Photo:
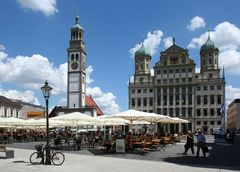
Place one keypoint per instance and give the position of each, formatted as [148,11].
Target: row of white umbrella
[130,117]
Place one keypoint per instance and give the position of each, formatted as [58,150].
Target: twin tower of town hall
[176,89]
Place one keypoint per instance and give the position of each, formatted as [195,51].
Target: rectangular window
[165,81]
[183,112]
[171,81]
[198,122]
[212,112]
[205,122]
[205,88]
[183,70]
[212,122]
[198,100]
[189,89]
[219,112]
[159,72]
[165,100]
[165,71]
[159,100]
[212,87]
[189,112]
[144,90]
[159,81]
[190,70]
[177,89]
[189,99]
[133,91]
[151,101]
[205,112]
[177,80]
[133,102]
[219,99]
[183,90]
[177,70]
[212,99]
[144,101]
[198,112]
[183,100]
[205,99]
[139,101]
[150,90]
[198,88]
[219,122]
[139,90]
[189,79]
[219,87]
[170,71]
[171,100]
[183,79]
[177,100]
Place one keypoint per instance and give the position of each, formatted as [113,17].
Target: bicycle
[38,157]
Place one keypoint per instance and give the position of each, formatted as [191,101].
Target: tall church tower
[76,90]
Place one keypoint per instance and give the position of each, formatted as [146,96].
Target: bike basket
[38,147]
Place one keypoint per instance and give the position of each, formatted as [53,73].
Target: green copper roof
[142,51]
[209,44]
[77,24]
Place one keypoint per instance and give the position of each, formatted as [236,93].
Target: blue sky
[34,36]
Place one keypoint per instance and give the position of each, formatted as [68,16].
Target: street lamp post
[46,90]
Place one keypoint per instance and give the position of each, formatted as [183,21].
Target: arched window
[72,57]
[77,57]
[210,61]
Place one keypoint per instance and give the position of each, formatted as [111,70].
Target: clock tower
[76,87]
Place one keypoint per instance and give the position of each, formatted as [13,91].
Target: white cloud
[47,7]
[151,43]
[31,72]
[231,94]
[2,56]
[197,70]
[89,71]
[230,59]
[168,41]
[26,96]
[196,23]
[225,35]
[2,48]
[227,38]
[106,101]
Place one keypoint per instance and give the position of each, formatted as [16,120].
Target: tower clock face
[74,65]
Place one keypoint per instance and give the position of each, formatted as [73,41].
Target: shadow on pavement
[222,155]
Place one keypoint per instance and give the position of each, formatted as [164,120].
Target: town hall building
[176,89]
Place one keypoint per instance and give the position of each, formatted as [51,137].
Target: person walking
[201,143]
[189,143]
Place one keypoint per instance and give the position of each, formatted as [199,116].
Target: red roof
[91,103]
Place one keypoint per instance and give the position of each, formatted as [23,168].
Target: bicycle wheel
[58,158]
[35,158]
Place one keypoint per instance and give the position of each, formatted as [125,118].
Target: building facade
[176,89]
[19,109]
[233,115]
